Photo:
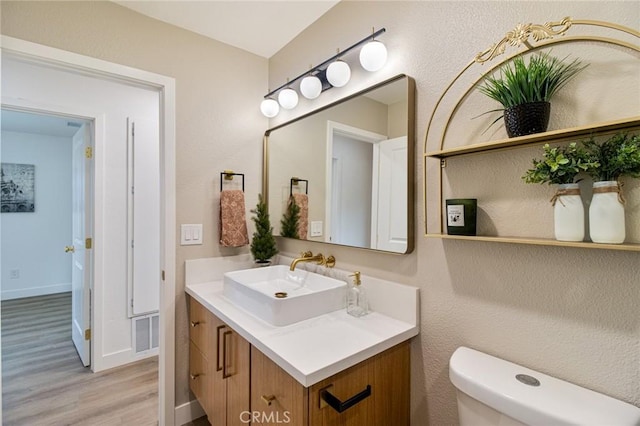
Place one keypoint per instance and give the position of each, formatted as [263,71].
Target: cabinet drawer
[199,376]
[200,326]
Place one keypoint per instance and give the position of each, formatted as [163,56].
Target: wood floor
[44,382]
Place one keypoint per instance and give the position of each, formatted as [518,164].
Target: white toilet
[492,391]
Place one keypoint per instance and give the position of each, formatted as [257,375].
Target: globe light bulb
[269,108]
[310,87]
[288,98]
[338,73]
[373,56]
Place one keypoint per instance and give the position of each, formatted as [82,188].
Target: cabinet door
[351,383]
[236,373]
[376,392]
[199,376]
[218,394]
[391,377]
[200,327]
[276,397]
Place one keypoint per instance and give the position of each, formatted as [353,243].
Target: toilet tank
[493,391]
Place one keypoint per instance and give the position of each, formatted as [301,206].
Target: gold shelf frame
[542,36]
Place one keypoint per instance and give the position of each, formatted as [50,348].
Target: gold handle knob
[69,249]
[330,262]
[194,323]
[268,399]
[194,376]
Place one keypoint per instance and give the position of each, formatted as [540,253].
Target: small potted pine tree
[263,243]
[290,219]
[617,157]
[560,166]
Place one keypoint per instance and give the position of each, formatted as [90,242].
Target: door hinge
[87,334]
[88,152]
[443,162]
[88,243]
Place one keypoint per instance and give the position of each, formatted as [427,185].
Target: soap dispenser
[357,305]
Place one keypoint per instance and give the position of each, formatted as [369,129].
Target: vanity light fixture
[338,73]
[269,108]
[333,72]
[288,98]
[373,56]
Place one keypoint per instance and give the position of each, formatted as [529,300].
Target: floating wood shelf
[572,133]
[540,242]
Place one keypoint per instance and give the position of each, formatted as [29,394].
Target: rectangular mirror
[354,161]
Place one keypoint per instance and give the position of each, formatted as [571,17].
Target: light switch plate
[190,234]
[316,228]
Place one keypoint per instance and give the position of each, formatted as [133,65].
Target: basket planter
[606,214]
[526,119]
[568,213]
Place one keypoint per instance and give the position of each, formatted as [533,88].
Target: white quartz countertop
[320,347]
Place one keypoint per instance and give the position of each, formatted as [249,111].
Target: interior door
[80,250]
[390,225]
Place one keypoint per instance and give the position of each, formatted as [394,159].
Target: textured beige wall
[571,313]
[218,122]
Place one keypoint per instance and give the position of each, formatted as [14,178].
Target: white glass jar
[568,213]
[606,214]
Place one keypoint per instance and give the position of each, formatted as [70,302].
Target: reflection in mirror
[354,161]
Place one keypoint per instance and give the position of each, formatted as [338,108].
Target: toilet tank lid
[493,382]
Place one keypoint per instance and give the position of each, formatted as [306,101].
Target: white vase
[568,213]
[606,214]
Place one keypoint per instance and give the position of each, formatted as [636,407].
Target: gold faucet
[319,258]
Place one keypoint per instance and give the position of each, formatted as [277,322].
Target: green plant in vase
[561,166]
[263,243]
[525,89]
[617,157]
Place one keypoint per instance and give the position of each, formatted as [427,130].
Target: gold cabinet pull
[224,354]
[218,346]
[268,399]
[69,249]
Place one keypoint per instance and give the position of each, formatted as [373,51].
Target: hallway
[44,382]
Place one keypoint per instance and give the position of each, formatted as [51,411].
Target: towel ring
[228,175]
[295,181]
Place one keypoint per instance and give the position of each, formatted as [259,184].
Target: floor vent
[145,333]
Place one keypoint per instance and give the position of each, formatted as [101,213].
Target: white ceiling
[40,124]
[262,27]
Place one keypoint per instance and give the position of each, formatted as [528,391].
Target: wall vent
[146,333]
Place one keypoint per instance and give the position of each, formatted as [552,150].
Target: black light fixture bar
[319,67]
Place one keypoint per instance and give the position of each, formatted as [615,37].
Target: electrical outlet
[14,274]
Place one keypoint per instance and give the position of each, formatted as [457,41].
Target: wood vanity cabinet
[218,367]
[236,383]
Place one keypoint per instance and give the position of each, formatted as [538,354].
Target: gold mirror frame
[542,35]
[411,155]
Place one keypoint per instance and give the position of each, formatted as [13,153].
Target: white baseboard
[188,412]
[35,291]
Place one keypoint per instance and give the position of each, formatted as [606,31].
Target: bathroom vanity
[326,370]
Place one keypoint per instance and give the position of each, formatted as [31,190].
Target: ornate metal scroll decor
[521,33]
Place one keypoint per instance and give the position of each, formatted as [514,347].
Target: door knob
[69,249]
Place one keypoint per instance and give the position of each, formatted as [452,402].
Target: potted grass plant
[560,166]
[525,90]
[616,157]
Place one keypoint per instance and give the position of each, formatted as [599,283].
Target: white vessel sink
[281,297]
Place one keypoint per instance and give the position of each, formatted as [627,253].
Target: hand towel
[233,225]
[302,201]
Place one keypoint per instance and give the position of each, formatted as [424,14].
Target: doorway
[19,94]
[56,184]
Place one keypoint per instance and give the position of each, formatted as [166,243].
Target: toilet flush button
[527,380]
